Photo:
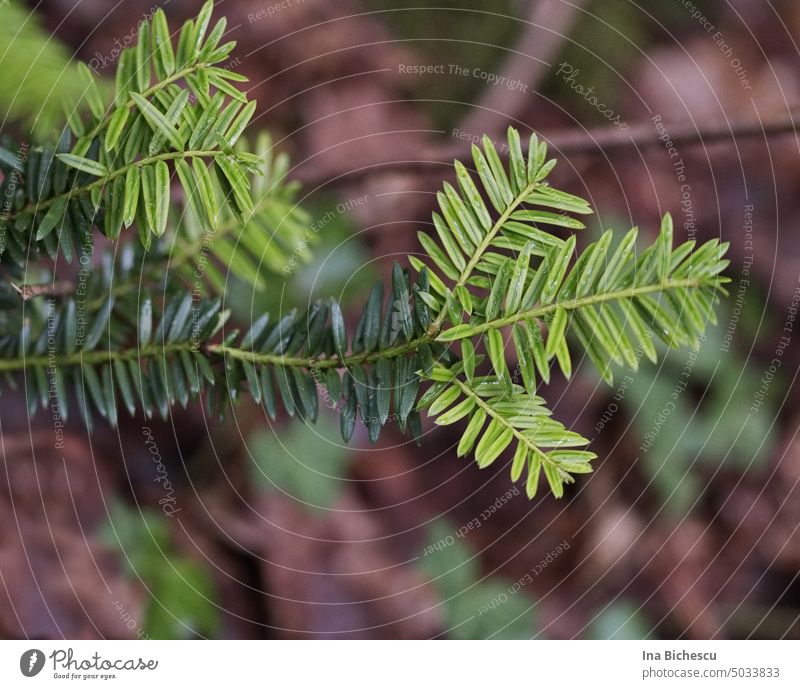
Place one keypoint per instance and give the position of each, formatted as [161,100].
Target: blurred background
[253,529]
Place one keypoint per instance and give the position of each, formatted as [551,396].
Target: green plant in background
[181,592]
[327,259]
[243,246]
[497,269]
[307,464]
[492,607]
[709,428]
[36,86]
[620,619]
[474,607]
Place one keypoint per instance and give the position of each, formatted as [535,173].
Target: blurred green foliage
[307,463]
[710,426]
[620,619]
[180,592]
[39,75]
[473,608]
[340,267]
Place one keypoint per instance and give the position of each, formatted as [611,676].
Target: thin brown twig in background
[49,289]
[605,140]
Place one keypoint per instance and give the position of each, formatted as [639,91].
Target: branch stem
[113,174]
[254,357]
[316,363]
[94,357]
[572,304]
